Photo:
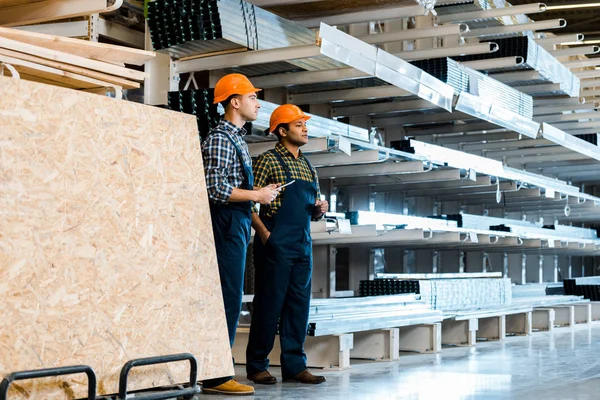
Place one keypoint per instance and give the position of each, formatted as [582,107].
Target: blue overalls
[231,227]
[283,281]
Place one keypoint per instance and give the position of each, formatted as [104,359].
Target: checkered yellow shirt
[267,170]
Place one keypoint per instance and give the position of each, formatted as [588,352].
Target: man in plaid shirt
[230,185]
[283,252]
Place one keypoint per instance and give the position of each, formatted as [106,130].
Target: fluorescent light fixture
[572,6]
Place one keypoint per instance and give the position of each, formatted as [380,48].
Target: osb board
[106,248]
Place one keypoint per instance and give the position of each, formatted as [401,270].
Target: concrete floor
[564,364]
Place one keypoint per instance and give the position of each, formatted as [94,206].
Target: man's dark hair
[284,126]
[227,102]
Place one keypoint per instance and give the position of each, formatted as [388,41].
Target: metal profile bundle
[198,103]
[337,316]
[186,28]
[466,294]
[524,229]
[383,220]
[385,287]
[480,5]
[579,145]
[535,58]
[385,66]
[588,287]
[448,294]
[458,159]
[484,97]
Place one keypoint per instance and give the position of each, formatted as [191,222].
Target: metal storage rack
[467,155]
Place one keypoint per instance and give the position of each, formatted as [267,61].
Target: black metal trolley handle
[50,372]
[185,393]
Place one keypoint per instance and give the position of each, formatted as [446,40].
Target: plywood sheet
[124,83]
[106,248]
[78,47]
[62,57]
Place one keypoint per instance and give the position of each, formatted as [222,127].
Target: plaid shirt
[267,170]
[222,167]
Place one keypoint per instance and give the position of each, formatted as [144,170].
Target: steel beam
[575,51]
[314,145]
[356,157]
[386,168]
[492,13]
[558,39]
[381,108]
[247,58]
[347,95]
[381,14]
[504,29]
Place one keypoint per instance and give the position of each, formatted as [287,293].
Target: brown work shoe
[231,388]
[262,378]
[306,377]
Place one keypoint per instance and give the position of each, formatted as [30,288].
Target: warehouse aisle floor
[563,364]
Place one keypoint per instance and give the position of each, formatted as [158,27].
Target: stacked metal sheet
[464,79]
[337,316]
[535,58]
[186,28]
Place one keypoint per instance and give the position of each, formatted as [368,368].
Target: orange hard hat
[233,84]
[285,114]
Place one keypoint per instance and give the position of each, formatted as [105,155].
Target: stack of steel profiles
[539,295]
[337,85]
[337,316]
[537,290]
[447,275]
[186,28]
[386,287]
[458,159]
[383,220]
[535,58]
[464,79]
[479,5]
[198,103]
[466,294]
[524,229]
[588,287]
[450,293]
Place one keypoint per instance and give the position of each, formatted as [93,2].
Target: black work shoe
[306,377]
[262,378]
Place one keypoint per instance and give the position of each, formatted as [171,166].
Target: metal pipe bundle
[186,28]
[535,58]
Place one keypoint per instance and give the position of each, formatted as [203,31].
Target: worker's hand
[322,206]
[265,236]
[267,194]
